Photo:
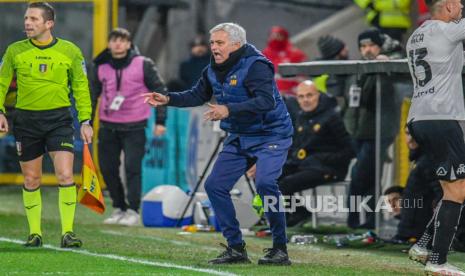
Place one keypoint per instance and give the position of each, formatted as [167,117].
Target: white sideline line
[126,259]
[180,243]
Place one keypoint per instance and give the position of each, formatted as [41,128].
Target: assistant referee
[47,70]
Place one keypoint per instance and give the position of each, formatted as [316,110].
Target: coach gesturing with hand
[259,130]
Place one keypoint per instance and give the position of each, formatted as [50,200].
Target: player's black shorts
[39,131]
[443,141]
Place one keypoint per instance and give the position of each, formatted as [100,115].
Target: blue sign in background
[165,157]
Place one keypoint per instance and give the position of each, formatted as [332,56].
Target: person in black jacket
[360,120]
[332,48]
[321,150]
[191,68]
[420,196]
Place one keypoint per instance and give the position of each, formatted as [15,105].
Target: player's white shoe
[115,217]
[444,269]
[130,218]
[418,254]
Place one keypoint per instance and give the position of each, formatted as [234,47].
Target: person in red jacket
[423,12]
[280,50]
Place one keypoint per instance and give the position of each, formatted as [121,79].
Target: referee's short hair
[119,33]
[48,12]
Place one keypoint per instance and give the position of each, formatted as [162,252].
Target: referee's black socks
[445,226]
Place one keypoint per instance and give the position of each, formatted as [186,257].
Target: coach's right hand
[155,99]
[3,123]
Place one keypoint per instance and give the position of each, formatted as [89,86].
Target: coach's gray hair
[235,32]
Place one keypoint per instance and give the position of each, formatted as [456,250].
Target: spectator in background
[321,149]
[280,50]
[393,195]
[420,196]
[359,118]
[191,69]
[332,48]
[423,12]
[121,76]
[390,16]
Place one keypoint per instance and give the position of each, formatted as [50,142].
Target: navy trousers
[231,164]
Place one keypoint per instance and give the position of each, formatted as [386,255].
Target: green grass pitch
[118,250]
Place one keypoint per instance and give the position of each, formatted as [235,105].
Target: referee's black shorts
[443,141]
[39,131]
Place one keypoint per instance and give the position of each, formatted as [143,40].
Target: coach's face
[221,46]
[34,23]
[454,8]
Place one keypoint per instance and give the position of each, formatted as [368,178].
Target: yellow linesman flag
[90,193]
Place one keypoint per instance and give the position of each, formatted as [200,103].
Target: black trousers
[414,217]
[132,143]
[294,179]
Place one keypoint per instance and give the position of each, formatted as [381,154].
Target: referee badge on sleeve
[84,68]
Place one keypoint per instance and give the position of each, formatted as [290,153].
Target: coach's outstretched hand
[86,133]
[3,123]
[155,99]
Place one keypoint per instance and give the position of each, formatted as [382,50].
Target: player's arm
[6,75]
[81,93]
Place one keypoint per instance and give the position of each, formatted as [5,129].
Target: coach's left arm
[259,82]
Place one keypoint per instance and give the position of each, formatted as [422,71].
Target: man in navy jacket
[252,112]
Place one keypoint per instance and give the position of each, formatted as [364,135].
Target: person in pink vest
[121,75]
